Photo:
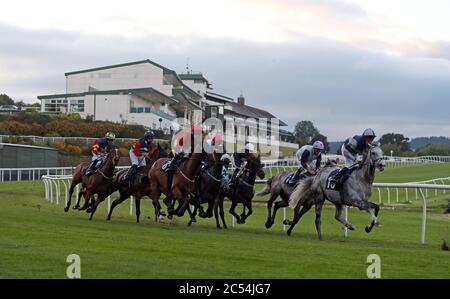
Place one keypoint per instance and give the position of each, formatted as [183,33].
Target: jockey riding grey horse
[352,147]
[283,184]
[355,192]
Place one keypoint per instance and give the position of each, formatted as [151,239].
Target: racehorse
[183,180]
[355,192]
[242,191]
[276,186]
[140,186]
[80,178]
[100,183]
[208,186]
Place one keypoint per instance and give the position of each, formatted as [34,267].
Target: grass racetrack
[36,237]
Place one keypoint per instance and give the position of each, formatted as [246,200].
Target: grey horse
[276,186]
[355,192]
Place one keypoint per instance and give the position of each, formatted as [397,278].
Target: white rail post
[284,217]
[346,219]
[131,205]
[424,215]
[109,204]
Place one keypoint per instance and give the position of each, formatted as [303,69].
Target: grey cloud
[340,87]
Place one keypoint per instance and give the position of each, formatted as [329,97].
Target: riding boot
[91,168]
[295,177]
[171,167]
[131,173]
[342,175]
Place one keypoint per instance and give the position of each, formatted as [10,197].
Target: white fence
[53,193]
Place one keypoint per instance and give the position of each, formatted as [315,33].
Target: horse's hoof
[66,209]
[170,216]
[288,233]
[193,219]
[268,224]
[76,207]
[367,229]
[287,222]
[351,227]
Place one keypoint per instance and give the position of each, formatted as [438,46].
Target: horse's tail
[300,191]
[266,190]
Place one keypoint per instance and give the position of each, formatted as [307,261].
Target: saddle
[165,166]
[332,182]
[88,171]
[291,175]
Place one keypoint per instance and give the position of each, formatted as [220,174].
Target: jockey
[239,158]
[99,146]
[306,156]
[181,142]
[352,147]
[214,143]
[138,152]
[226,159]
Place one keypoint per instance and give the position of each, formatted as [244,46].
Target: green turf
[36,237]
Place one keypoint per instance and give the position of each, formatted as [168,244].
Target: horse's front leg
[93,208]
[233,212]
[250,210]
[87,198]
[192,215]
[373,210]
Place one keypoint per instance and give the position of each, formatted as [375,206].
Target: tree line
[396,144]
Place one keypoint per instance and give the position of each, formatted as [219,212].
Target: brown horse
[241,192]
[209,184]
[182,183]
[140,186]
[100,183]
[77,178]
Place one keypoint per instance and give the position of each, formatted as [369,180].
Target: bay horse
[356,191]
[183,180]
[241,192]
[140,186]
[209,183]
[100,183]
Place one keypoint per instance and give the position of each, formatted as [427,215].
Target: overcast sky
[345,65]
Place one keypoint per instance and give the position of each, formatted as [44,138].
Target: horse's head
[114,155]
[376,156]
[159,152]
[254,165]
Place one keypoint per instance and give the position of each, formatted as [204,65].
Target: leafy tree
[304,132]
[6,100]
[434,150]
[396,139]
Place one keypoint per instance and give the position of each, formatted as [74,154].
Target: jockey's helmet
[249,147]
[110,136]
[369,133]
[318,145]
[149,135]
